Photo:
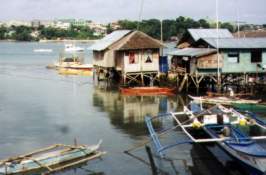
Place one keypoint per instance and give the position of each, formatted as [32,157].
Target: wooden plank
[42,165]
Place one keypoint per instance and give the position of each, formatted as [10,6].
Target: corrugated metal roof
[192,52]
[109,39]
[209,33]
[237,43]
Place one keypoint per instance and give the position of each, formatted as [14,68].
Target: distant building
[62,24]
[47,23]
[130,53]
[115,25]
[17,23]
[193,35]
[35,23]
[99,29]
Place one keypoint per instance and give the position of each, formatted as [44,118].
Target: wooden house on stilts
[131,54]
[242,61]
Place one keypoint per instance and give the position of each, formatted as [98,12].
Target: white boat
[73,61]
[73,48]
[43,50]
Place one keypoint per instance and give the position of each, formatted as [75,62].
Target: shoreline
[68,40]
[52,41]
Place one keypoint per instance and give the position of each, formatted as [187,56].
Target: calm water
[38,108]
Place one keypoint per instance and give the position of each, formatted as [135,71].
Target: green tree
[126,24]
[204,24]
[169,29]
[3,31]
[151,27]
[22,33]
[109,29]
[228,26]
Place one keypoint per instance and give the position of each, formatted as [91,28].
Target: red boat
[147,91]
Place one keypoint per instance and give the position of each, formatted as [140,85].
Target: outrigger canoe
[154,90]
[222,126]
[223,100]
[50,159]
[236,102]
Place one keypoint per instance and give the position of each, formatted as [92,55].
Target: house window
[233,57]
[132,57]
[256,56]
[148,57]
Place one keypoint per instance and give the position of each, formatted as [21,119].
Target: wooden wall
[209,62]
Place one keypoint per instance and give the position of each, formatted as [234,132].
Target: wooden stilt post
[124,78]
[142,78]
[153,166]
[177,80]
[187,78]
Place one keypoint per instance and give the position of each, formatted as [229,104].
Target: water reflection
[127,112]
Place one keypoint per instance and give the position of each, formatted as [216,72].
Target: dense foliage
[171,28]
[24,33]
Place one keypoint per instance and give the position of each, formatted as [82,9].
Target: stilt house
[133,54]
[241,60]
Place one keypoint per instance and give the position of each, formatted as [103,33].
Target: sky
[248,11]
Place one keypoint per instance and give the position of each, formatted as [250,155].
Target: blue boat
[222,126]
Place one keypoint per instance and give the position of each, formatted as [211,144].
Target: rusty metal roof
[192,52]
[237,43]
[109,40]
[209,33]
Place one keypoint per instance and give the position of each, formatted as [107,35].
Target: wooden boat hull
[255,163]
[66,71]
[223,100]
[47,159]
[251,107]
[147,91]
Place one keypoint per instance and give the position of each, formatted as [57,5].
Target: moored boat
[71,60]
[257,107]
[223,100]
[43,50]
[153,90]
[50,159]
[70,71]
[73,48]
[223,126]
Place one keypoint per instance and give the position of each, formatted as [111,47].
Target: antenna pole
[217,47]
[237,16]
[161,30]
[140,13]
